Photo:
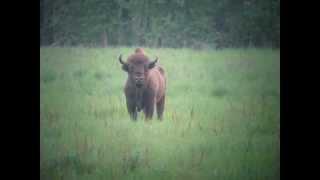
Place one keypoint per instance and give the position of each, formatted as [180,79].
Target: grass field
[221,120]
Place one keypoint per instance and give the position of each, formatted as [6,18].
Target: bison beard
[152,90]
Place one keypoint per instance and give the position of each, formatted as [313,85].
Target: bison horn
[152,64]
[120,59]
[155,59]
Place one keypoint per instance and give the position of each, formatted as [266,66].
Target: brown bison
[145,86]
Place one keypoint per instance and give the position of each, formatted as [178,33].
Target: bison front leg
[160,108]
[149,108]
[131,107]
[133,114]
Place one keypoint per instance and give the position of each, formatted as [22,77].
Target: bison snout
[139,85]
[139,82]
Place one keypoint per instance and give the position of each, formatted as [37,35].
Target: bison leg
[149,108]
[132,110]
[133,115]
[160,107]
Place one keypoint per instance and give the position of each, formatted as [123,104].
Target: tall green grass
[221,119]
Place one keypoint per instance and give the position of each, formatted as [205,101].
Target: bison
[145,86]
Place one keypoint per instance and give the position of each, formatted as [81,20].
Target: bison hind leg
[160,108]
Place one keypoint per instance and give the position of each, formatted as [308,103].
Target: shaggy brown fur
[145,86]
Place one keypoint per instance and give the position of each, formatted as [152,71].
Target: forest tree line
[160,23]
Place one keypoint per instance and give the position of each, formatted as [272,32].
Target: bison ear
[125,66]
[153,63]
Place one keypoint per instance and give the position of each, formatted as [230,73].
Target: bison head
[137,67]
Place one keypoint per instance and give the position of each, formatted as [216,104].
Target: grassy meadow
[221,119]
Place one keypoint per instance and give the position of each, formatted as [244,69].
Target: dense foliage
[161,23]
